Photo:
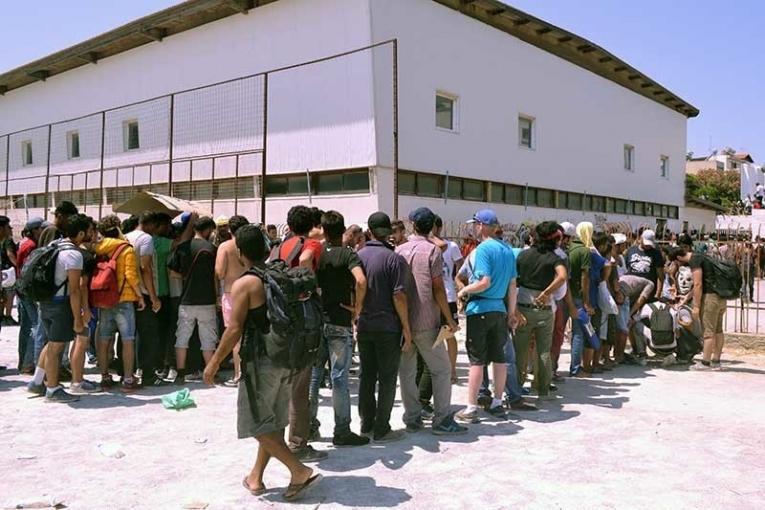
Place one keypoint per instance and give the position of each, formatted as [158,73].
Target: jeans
[380,356]
[577,342]
[437,360]
[336,346]
[146,326]
[424,381]
[28,319]
[299,410]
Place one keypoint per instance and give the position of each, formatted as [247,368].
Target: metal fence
[207,144]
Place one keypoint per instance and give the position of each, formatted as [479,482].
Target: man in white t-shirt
[149,361]
[61,317]
[452,261]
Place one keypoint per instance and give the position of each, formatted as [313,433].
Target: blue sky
[710,53]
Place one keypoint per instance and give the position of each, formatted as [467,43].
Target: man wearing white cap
[646,261]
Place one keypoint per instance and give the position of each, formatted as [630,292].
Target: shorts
[623,319]
[453,309]
[119,318]
[203,316]
[486,338]
[226,307]
[57,320]
[712,313]
[262,404]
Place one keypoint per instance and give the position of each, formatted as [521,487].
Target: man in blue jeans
[341,279]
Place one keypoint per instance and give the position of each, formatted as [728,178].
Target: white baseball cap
[569,229]
[620,239]
[648,238]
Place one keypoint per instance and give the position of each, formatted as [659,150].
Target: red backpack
[104,290]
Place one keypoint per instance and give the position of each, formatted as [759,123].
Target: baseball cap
[485,217]
[423,219]
[569,229]
[379,224]
[221,221]
[620,238]
[185,217]
[648,238]
[34,223]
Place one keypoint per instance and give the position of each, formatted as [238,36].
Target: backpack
[662,326]
[104,289]
[726,278]
[37,281]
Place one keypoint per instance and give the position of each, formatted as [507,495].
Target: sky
[710,53]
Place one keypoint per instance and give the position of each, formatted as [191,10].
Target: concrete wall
[698,217]
[582,120]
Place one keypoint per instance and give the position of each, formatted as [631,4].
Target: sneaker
[427,412]
[193,377]
[84,388]
[467,417]
[391,436]
[716,366]
[172,375]
[701,367]
[349,439]
[521,405]
[448,427]
[160,373]
[498,412]
[107,381]
[309,454]
[92,359]
[668,361]
[415,426]
[129,387]
[37,389]
[59,396]
[157,381]
[553,387]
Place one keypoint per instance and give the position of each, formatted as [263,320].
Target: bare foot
[300,478]
[256,488]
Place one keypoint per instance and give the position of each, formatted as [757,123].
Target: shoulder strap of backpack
[122,247]
[295,252]
[191,268]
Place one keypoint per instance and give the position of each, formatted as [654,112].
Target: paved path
[636,438]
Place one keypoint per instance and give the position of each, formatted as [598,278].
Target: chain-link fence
[207,145]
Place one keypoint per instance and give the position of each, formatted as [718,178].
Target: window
[446,111]
[473,190]
[514,194]
[429,185]
[629,157]
[454,188]
[610,206]
[131,139]
[73,145]
[664,167]
[26,153]
[598,204]
[407,183]
[574,201]
[673,213]
[497,191]
[545,198]
[648,209]
[620,206]
[638,208]
[720,166]
[526,133]
[346,182]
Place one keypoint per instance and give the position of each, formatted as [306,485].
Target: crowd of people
[158,302]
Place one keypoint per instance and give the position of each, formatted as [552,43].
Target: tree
[717,186]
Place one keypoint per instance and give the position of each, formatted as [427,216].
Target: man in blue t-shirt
[492,282]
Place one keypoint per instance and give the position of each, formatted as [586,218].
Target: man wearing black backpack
[60,307]
[714,282]
[262,403]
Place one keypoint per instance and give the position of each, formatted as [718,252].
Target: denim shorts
[118,318]
[57,320]
[623,318]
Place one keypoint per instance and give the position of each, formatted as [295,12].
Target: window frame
[27,150]
[629,161]
[532,132]
[70,137]
[664,167]
[454,98]
[126,135]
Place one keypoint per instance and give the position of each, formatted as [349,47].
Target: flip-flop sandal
[231,383]
[255,492]
[301,488]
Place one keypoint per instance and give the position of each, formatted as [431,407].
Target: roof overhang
[700,203]
[193,13]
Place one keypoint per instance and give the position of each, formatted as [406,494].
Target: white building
[494,106]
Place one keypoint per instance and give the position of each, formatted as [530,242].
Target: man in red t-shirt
[300,221]
[27,308]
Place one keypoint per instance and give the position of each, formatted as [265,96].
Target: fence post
[236,186]
[8,170]
[102,199]
[265,153]
[395,128]
[212,190]
[170,151]
[47,172]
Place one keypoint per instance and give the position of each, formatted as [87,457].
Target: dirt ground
[633,438]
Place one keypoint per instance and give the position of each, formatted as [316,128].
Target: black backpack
[726,278]
[37,280]
[294,314]
[662,327]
